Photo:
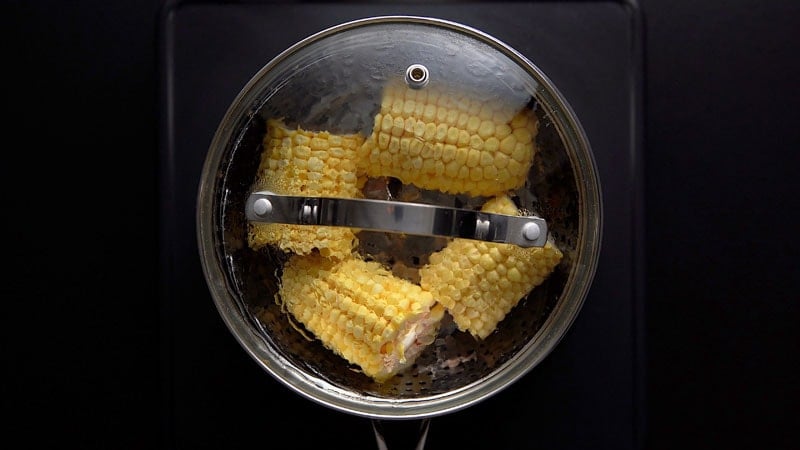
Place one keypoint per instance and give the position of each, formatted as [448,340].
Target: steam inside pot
[376,299]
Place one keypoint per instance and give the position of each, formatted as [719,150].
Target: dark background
[80,178]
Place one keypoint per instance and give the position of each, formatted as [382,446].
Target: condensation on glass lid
[356,293]
[336,83]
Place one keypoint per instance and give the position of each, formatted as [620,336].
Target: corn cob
[300,162]
[454,143]
[360,311]
[479,282]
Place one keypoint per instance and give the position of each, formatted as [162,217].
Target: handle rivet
[531,231]
[262,207]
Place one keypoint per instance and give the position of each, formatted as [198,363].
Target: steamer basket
[332,81]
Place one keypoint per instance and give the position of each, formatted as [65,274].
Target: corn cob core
[361,312]
[479,282]
[308,163]
[456,144]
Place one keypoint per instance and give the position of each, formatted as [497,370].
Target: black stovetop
[586,394]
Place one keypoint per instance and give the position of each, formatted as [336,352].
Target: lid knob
[417,76]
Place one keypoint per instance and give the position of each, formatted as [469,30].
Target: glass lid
[399,216]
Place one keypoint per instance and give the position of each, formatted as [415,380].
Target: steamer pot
[333,81]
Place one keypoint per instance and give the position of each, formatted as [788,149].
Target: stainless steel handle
[397,217]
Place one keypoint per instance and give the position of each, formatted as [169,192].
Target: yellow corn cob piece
[308,163]
[361,312]
[480,282]
[457,144]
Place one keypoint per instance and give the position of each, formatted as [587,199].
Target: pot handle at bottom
[401,434]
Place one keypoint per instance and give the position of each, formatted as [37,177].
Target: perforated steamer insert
[399,217]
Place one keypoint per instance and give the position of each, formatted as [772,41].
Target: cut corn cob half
[361,312]
[308,163]
[480,282]
[454,143]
